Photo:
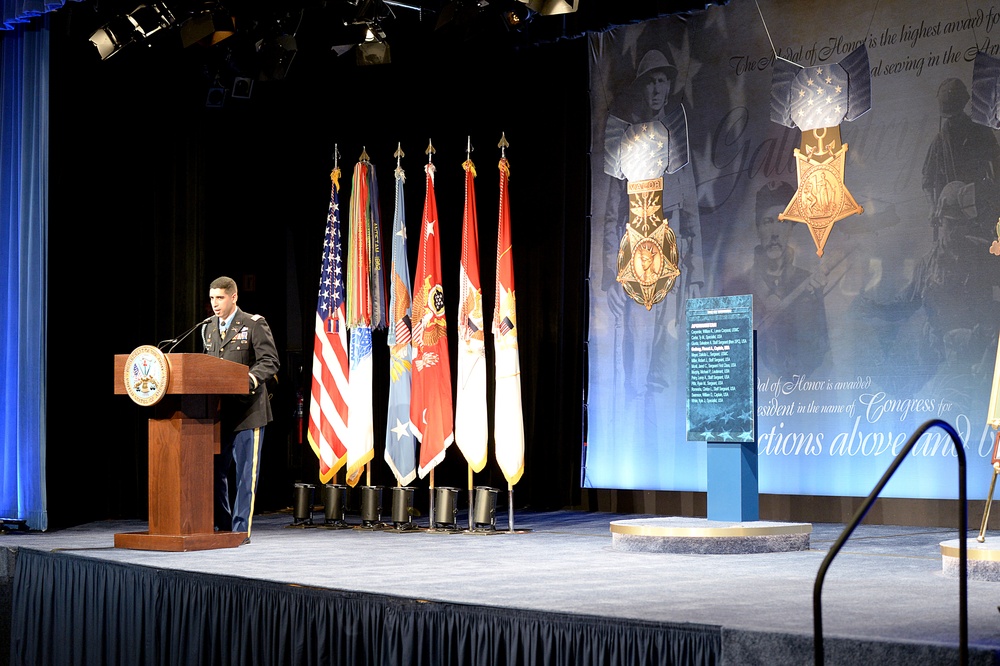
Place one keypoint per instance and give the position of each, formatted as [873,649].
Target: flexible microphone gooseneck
[177,341]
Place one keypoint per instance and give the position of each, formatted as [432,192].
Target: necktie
[222,330]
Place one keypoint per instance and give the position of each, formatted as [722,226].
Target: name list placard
[720,381]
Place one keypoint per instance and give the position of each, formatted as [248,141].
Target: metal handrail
[859,515]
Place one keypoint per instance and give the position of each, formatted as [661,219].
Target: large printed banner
[862,231]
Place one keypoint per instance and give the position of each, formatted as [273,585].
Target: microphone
[178,340]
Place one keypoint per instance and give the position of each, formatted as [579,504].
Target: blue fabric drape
[13,12]
[24,132]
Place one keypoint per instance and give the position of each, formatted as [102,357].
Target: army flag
[508,429]
[360,432]
[330,369]
[431,417]
[376,272]
[400,445]
[471,428]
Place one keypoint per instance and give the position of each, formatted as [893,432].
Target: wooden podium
[184,435]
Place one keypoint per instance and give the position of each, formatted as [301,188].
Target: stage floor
[886,587]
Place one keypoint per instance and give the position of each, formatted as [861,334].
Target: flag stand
[402,508]
[334,502]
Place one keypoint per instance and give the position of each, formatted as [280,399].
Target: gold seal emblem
[147,375]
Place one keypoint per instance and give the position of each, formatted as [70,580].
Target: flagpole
[430,485]
[471,503]
[431,502]
[468,156]
[508,441]
[510,508]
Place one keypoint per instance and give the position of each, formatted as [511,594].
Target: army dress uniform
[247,340]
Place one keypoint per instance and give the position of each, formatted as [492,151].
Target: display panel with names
[720,382]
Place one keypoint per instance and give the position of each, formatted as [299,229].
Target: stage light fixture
[211,24]
[552,7]
[242,87]
[374,53]
[374,49]
[518,16]
[276,56]
[349,36]
[216,96]
[141,23]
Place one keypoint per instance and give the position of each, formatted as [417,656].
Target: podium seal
[147,375]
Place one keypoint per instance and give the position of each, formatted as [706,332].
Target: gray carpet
[885,599]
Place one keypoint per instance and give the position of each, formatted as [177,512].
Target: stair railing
[859,515]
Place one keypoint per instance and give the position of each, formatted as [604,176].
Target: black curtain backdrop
[153,195]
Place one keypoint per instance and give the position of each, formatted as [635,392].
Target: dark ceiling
[271,35]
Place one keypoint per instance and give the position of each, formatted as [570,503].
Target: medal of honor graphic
[816,100]
[647,255]
[822,197]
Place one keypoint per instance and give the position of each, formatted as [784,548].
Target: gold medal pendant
[822,197]
[647,255]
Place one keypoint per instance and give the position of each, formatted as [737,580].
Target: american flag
[328,404]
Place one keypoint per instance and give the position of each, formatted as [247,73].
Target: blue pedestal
[732,482]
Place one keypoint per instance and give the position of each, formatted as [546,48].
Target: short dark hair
[227,284]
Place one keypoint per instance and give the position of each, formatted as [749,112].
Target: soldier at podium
[245,338]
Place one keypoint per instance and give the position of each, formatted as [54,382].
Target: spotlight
[276,55]
[374,50]
[364,30]
[552,7]
[141,23]
[348,36]
[277,49]
[518,16]
[115,35]
[242,87]
[216,96]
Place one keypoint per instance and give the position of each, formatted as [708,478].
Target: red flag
[431,417]
[471,428]
[328,405]
[508,426]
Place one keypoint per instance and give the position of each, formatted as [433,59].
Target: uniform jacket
[248,341]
